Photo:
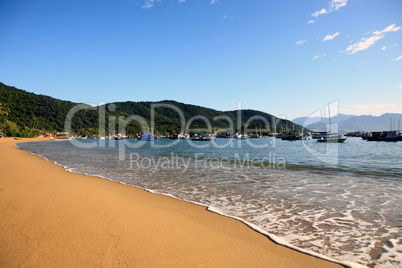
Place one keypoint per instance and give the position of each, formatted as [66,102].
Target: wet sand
[50,217]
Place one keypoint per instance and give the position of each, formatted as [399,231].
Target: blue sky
[288,58]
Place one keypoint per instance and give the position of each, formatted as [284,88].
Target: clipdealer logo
[185,127]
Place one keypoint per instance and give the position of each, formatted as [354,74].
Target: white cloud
[367,42]
[301,42]
[337,4]
[319,56]
[226,17]
[390,28]
[213,1]
[330,37]
[312,21]
[150,3]
[384,48]
[400,85]
[333,6]
[320,12]
[396,59]
[364,44]
[181,1]
[375,109]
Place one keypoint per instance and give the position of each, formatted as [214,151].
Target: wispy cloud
[384,48]
[367,42]
[390,28]
[301,42]
[332,6]
[226,17]
[150,3]
[213,1]
[319,12]
[319,56]
[337,4]
[312,21]
[375,109]
[330,37]
[364,44]
[399,58]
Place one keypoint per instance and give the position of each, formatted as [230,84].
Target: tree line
[24,114]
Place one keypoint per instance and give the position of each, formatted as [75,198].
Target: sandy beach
[54,218]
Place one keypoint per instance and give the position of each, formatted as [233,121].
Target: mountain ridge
[30,112]
[365,123]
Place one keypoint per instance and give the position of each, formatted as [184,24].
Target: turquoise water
[338,200]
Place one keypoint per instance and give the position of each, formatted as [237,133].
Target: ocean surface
[342,201]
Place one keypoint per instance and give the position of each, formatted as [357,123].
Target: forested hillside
[31,114]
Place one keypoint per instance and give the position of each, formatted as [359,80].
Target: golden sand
[54,218]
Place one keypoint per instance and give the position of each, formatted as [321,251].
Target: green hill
[32,114]
[29,112]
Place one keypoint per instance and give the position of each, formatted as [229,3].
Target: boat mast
[329,118]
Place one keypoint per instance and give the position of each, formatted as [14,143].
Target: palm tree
[34,122]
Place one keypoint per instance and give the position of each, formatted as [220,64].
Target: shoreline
[54,219]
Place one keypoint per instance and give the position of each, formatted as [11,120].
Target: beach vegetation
[29,114]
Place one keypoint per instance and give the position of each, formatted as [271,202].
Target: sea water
[342,201]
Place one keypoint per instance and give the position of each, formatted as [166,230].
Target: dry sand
[54,218]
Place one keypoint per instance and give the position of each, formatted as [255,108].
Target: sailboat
[329,136]
[256,135]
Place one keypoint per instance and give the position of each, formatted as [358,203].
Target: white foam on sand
[283,242]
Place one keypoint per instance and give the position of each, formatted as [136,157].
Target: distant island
[28,115]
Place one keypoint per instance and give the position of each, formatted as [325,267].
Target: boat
[292,136]
[225,135]
[280,135]
[241,136]
[384,136]
[365,136]
[119,137]
[319,134]
[332,138]
[273,134]
[256,136]
[201,137]
[358,134]
[392,135]
[146,137]
[177,137]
